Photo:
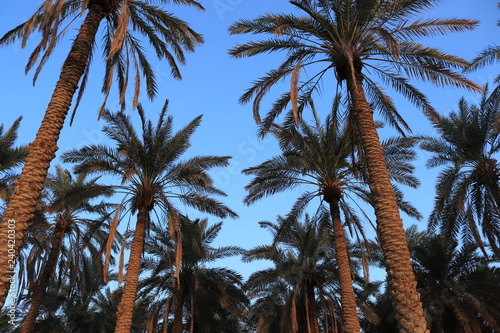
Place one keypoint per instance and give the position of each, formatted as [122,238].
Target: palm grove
[104,242]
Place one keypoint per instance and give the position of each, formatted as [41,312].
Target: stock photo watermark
[222,7]
[12,279]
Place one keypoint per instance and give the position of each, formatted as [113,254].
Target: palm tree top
[327,158]
[377,38]
[149,164]
[129,23]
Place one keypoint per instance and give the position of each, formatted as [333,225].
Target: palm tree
[10,158]
[151,176]
[328,158]
[467,200]
[458,285]
[300,292]
[122,48]
[212,296]
[353,39]
[301,254]
[69,199]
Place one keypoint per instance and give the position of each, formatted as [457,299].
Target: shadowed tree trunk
[179,299]
[44,279]
[42,150]
[390,231]
[350,318]
[126,308]
[312,310]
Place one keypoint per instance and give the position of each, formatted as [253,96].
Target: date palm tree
[10,157]
[353,39]
[301,291]
[459,286]
[127,23]
[211,298]
[152,176]
[69,199]
[467,200]
[300,254]
[328,159]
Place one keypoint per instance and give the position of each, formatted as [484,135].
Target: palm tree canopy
[377,37]
[327,157]
[468,192]
[217,288]
[456,284]
[303,257]
[148,164]
[130,26]
[10,157]
[70,203]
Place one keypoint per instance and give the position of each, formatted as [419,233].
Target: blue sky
[211,85]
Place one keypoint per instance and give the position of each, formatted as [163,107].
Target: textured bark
[390,231]
[350,318]
[42,150]
[312,310]
[44,279]
[126,308]
[179,299]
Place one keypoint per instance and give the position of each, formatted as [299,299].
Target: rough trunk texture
[350,319]
[126,308]
[390,231]
[179,299]
[44,279]
[312,310]
[42,150]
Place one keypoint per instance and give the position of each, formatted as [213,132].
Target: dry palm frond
[294,91]
[111,238]
[121,30]
[122,261]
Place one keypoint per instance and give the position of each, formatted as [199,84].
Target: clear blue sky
[211,85]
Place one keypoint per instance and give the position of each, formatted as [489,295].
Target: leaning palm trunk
[390,230]
[350,319]
[42,150]
[44,279]
[126,308]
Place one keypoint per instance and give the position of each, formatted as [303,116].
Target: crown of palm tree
[128,25]
[378,37]
[468,194]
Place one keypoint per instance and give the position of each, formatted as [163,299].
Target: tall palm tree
[10,157]
[211,295]
[300,292]
[151,176]
[301,254]
[458,285]
[328,159]
[126,24]
[467,200]
[353,39]
[69,200]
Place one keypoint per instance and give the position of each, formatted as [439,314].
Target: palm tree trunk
[390,231]
[42,150]
[179,299]
[44,279]
[311,309]
[350,318]
[126,308]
